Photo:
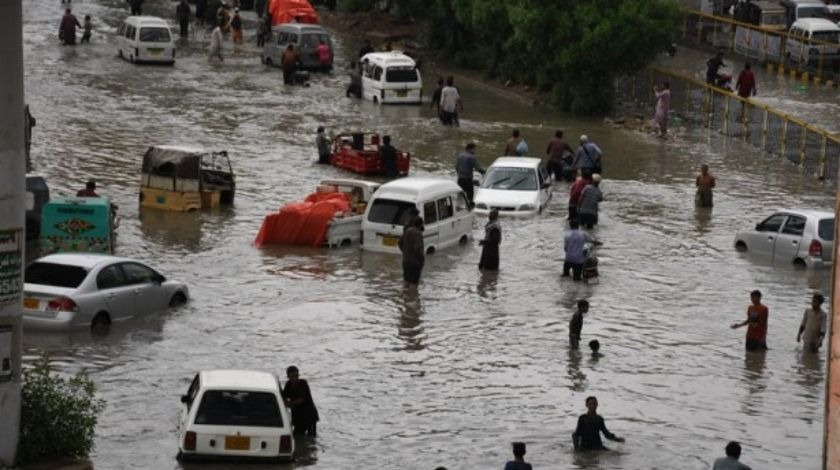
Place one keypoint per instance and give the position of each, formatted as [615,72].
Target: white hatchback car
[235,414]
[803,237]
[517,186]
[69,290]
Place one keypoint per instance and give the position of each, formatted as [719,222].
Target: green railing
[816,151]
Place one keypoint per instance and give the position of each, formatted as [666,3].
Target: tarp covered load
[287,11]
[303,223]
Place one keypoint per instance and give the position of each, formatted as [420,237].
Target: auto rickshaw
[78,224]
[186,179]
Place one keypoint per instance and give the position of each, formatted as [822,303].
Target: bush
[58,415]
[357,5]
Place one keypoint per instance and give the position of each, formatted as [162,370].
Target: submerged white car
[516,186]
[75,290]
[802,237]
[235,414]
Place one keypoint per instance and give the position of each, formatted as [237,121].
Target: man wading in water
[705,182]
[587,435]
[413,251]
[757,316]
[490,245]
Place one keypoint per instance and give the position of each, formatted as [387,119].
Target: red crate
[367,161]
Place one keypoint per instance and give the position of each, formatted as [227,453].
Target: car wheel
[131,59]
[800,263]
[178,299]
[345,243]
[430,250]
[740,246]
[119,53]
[268,61]
[101,323]
[375,100]
[463,241]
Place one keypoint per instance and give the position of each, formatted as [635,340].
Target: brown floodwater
[452,375]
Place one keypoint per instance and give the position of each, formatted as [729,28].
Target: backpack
[522,148]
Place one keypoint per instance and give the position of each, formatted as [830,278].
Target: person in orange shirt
[705,182]
[757,316]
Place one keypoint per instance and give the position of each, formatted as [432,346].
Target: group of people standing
[446,100]
[67,28]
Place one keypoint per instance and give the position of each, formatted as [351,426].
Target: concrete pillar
[831,438]
[12,223]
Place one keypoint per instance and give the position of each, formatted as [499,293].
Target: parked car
[515,186]
[74,290]
[305,37]
[442,204]
[803,237]
[145,39]
[235,414]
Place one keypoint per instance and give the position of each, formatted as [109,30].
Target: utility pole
[12,223]
[831,437]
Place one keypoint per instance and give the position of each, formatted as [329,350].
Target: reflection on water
[470,361]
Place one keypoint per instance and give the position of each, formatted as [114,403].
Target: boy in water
[88,26]
[576,323]
[518,462]
[595,346]
[757,316]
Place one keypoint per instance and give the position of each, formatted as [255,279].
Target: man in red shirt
[745,87]
[757,316]
[89,191]
[576,190]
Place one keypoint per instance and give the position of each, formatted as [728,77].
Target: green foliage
[357,5]
[574,50]
[58,415]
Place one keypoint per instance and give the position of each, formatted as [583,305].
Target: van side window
[368,70]
[429,212]
[461,203]
[121,31]
[192,392]
[444,207]
[377,73]
[282,38]
[293,38]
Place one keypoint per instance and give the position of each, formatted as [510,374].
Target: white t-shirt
[449,98]
[216,38]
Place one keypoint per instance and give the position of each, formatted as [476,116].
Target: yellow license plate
[155,51]
[31,304]
[390,240]
[402,93]
[237,443]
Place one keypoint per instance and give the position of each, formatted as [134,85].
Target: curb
[804,76]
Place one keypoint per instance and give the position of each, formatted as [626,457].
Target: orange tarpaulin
[285,11]
[302,223]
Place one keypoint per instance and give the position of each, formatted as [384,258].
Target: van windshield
[811,12]
[158,34]
[389,211]
[826,36]
[235,408]
[404,74]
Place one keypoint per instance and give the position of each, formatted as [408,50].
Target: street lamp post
[12,223]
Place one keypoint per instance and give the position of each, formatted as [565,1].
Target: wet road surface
[473,362]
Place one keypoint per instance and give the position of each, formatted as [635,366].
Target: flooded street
[452,375]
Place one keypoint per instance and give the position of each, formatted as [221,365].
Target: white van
[145,39]
[442,204]
[391,77]
[305,37]
[801,47]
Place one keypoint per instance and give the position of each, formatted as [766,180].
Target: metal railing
[816,151]
[819,59]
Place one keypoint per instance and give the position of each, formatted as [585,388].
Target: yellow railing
[815,59]
[815,150]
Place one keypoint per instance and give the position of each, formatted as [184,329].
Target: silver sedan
[801,237]
[72,290]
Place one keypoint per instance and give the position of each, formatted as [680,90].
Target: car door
[118,296]
[763,238]
[446,219]
[149,295]
[431,233]
[790,238]
[463,215]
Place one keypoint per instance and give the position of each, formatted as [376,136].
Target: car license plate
[237,443]
[390,240]
[402,93]
[31,304]
[155,51]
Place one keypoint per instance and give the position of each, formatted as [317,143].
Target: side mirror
[757,227]
[545,185]
[158,279]
[185,399]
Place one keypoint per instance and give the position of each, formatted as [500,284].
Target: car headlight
[527,207]
[481,205]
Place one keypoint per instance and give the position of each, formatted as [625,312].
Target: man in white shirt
[812,328]
[450,103]
[216,43]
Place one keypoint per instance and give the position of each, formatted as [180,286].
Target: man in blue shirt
[588,156]
[574,243]
[465,165]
